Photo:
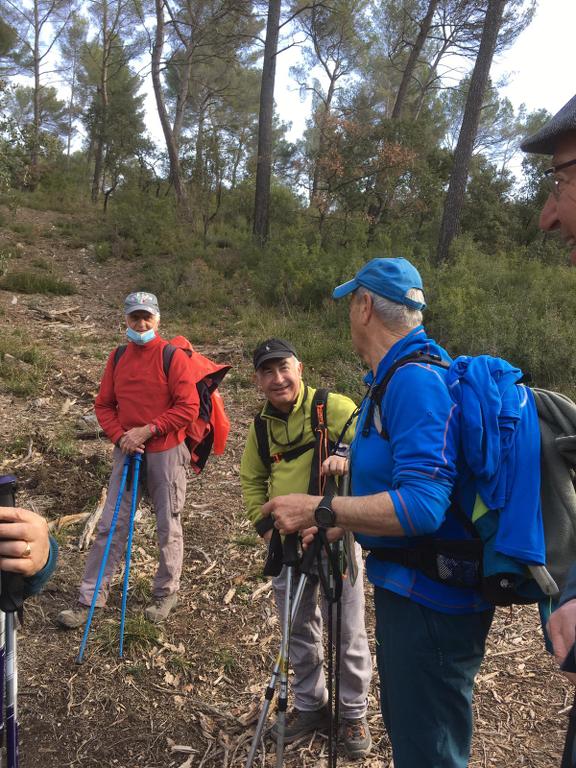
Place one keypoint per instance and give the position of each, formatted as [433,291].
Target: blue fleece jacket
[501,445]
[417,466]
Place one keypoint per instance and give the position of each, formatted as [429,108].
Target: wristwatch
[324,515]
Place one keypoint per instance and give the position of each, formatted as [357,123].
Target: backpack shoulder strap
[167,355]
[377,392]
[318,408]
[261,429]
[118,352]
[319,424]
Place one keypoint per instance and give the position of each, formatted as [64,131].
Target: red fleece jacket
[135,392]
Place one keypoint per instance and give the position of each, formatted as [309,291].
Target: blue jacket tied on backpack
[500,438]
[501,445]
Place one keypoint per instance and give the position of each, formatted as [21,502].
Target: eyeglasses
[550,180]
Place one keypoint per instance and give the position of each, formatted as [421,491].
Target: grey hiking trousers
[165,479]
[307,651]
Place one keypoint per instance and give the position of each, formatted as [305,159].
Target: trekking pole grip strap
[263,525]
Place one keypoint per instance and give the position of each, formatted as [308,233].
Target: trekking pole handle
[11,584]
[290,549]
[310,556]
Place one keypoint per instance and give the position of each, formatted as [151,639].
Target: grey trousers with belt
[165,479]
[307,651]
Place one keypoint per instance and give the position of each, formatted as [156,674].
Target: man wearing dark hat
[558,138]
[143,410]
[287,419]
[430,636]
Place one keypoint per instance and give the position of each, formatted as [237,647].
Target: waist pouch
[460,564]
[453,563]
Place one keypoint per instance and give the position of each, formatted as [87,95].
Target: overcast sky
[541,61]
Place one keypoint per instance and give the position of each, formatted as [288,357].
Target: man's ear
[300,367]
[366,308]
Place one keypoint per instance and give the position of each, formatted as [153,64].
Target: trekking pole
[98,584]
[11,602]
[136,466]
[2,677]
[305,569]
[290,563]
[331,581]
[11,693]
[334,658]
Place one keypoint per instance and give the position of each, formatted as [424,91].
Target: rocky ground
[187,695]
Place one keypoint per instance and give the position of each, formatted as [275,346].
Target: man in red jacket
[143,411]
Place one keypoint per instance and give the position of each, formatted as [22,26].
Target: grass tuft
[32,282]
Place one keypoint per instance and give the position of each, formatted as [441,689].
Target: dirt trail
[197,684]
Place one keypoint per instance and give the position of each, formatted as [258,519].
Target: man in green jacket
[286,414]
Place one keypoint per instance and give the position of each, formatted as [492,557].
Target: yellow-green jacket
[287,432]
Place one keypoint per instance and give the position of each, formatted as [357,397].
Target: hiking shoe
[73,617]
[355,736]
[300,722]
[160,608]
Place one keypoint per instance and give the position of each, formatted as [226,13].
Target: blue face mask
[141,338]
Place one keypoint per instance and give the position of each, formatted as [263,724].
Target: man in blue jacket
[430,636]
[557,138]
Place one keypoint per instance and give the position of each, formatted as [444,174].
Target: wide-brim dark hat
[544,141]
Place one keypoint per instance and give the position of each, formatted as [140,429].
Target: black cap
[272,349]
[544,141]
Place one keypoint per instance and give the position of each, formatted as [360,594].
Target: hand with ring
[24,541]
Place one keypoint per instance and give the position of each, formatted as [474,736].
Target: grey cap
[141,300]
[543,142]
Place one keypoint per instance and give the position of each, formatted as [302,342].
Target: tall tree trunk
[261,225]
[37,107]
[459,176]
[169,137]
[425,25]
[103,93]
[71,101]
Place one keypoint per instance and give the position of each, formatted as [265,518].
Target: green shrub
[102,251]
[22,365]
[31,282]
[25,230]
[508,305]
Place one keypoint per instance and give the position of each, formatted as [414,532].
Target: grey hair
[393,314]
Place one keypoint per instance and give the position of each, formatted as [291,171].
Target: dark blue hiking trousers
[427,662]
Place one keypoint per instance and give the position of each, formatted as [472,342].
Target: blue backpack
[503,572]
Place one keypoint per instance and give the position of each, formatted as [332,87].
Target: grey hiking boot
[300,722]
[355,736]
[73,617]
[160,608]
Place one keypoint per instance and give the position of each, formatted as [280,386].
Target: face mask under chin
[140,338]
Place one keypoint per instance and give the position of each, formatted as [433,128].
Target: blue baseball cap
[390,278]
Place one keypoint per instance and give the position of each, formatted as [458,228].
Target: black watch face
[324,517]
